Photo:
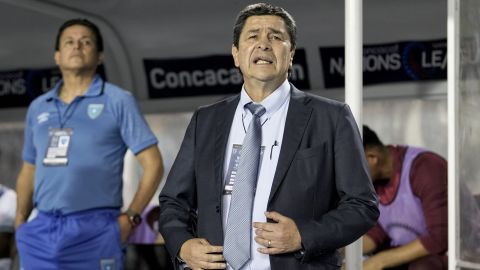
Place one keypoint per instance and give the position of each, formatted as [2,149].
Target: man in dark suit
[312,195]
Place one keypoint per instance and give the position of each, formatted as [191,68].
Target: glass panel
[469,130]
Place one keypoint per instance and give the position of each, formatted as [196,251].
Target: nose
[264,44]
[77,44]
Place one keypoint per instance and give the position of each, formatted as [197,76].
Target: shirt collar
[95,88]
[271,103]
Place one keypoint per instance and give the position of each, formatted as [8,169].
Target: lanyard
[70,109]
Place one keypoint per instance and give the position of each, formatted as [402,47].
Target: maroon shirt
[428,179]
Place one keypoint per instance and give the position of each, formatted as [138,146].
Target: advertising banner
[209,75]
[19,87]
[392,62]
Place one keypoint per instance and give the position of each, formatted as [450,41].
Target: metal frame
[354,92]
[452,84]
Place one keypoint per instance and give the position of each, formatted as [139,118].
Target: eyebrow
[81,38]
[275,31]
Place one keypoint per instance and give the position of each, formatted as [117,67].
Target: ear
[101,56]
[235,56]
[373,156]
[292,53]
[56,57]
[374,159]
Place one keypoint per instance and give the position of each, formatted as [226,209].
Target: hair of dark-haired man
[261,9]
[370,138]
[84,22]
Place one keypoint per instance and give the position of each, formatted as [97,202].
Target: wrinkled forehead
[271,23]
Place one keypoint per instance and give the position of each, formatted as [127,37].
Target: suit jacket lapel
[224,118]
[296,122]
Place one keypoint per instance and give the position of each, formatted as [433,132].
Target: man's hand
[280,237]
[125,227]
[198,254]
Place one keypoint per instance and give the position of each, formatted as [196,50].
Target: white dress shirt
[273,124]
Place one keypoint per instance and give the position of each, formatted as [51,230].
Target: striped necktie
[239,222]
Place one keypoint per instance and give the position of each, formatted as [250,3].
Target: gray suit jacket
[321,181]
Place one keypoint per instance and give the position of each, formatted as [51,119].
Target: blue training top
[104,122]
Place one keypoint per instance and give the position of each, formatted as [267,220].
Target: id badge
[58,145]
[233,166]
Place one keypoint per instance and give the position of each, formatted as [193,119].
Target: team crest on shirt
[94,110]
[43,117]
[107,264]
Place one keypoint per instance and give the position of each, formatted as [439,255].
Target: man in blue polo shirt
[76,136]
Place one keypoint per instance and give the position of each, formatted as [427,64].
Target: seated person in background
[411,184]
[8,205]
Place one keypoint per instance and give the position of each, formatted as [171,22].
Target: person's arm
[26,177]
[396,256]
[369,245]
[373,239]
[357,210]
[139,138]
[24,190]
[178,205]
[151,161]
[178,197]
[428,178]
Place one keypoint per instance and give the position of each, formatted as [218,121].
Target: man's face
[264,52]
[77,49]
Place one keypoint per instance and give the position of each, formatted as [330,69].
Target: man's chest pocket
[309,163]
[316,151]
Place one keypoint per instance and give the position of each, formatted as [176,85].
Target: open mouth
[262,60]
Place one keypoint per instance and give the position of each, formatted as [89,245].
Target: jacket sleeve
[177,221]
[356,211]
